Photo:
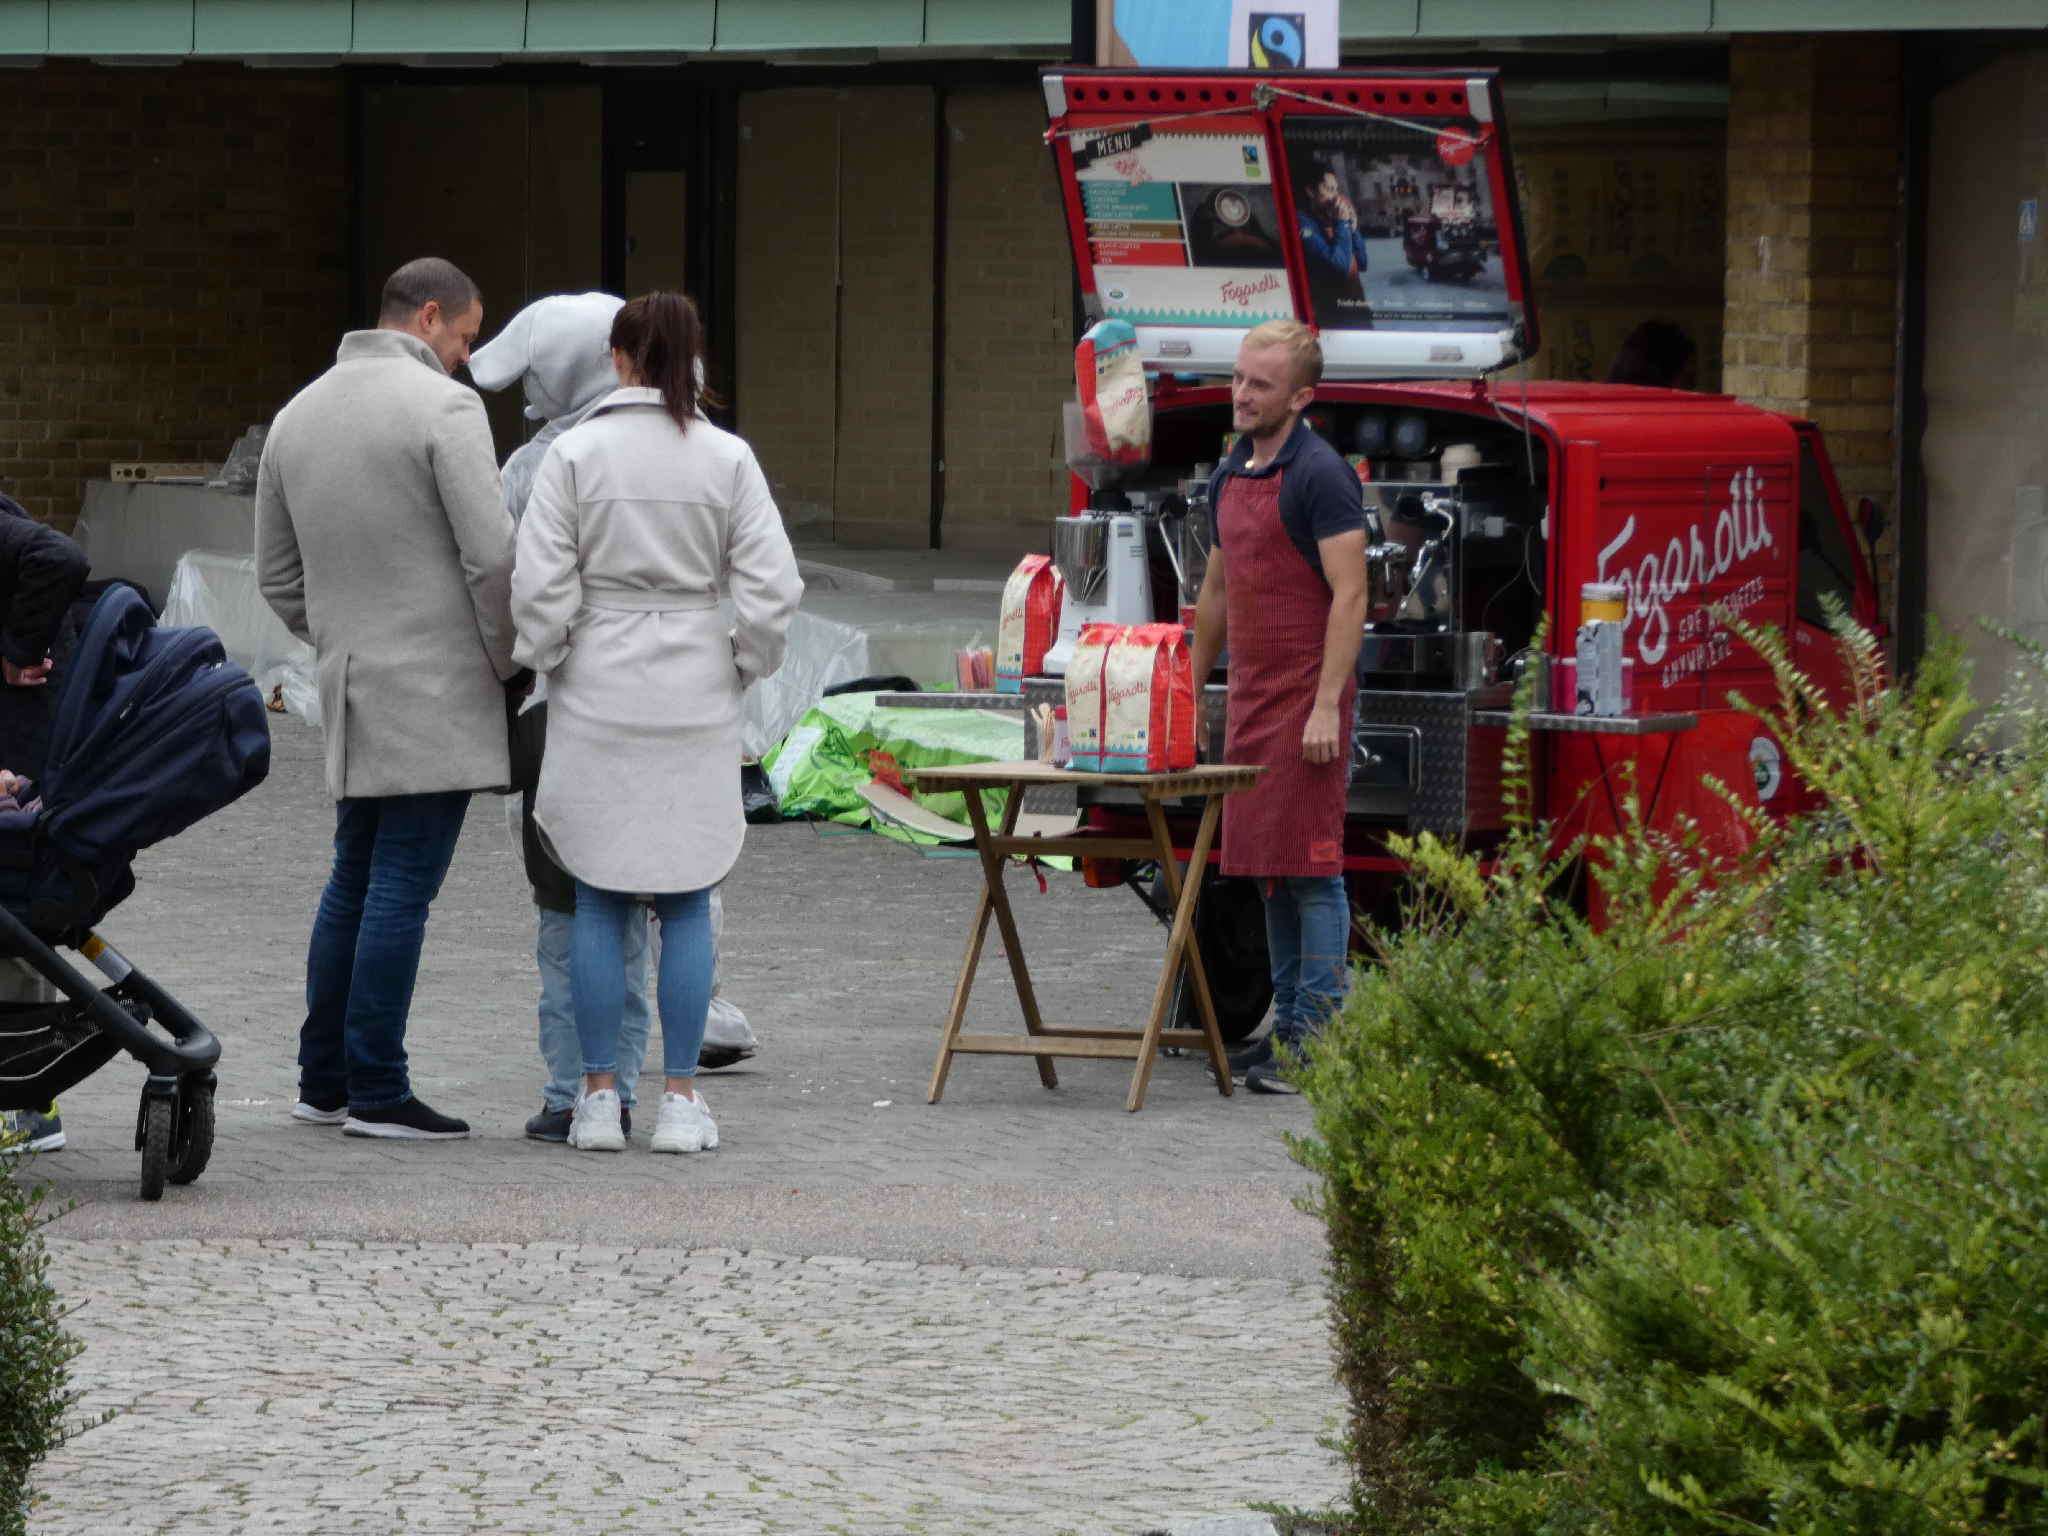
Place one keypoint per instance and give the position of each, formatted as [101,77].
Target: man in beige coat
[382,538]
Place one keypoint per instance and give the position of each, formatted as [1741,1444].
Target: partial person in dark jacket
[41,574]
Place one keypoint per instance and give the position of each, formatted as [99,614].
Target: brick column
[1814,209]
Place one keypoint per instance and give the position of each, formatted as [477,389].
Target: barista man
[1286,590]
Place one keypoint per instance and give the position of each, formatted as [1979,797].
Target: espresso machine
[1448,570]
[1425,545]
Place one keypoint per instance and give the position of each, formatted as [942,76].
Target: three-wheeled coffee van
[1199,205]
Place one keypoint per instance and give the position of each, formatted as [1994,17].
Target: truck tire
[1230,933]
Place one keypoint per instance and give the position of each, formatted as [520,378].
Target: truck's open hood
[1377,205]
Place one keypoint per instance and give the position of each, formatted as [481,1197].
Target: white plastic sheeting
[839,636]
[836,637]
[822,652]
[218,589]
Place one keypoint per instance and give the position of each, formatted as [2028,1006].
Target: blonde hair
[1299,341]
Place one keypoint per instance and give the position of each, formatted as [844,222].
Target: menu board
[1182,224]
[1398,227]
[1379,207]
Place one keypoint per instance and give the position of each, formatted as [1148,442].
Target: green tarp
[819,767]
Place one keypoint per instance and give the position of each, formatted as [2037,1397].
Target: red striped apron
[1292,821]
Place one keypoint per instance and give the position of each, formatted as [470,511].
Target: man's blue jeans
[390,855]
[1308,934]
[682,981]
[560,1048]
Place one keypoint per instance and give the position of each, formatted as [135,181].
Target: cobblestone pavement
[1016,1310]
[480,1387]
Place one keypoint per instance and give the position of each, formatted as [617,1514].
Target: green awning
[1427,20]
[509,28]
[407,29]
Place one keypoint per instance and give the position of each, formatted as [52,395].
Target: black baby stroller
[150,729]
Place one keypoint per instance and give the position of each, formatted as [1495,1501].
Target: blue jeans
[390,856]
[682,981]
[560,1048]
[1308,934]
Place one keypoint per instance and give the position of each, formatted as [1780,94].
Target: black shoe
[1266,1078]
[408,1120]
[553,1124]
[550,1124]
[712,1057]
[1255,1054]
[320,1111]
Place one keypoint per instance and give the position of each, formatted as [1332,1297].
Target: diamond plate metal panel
[1458,777]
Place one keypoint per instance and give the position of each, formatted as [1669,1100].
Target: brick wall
[883,494]
[788,297]
[173,263]
[1009,326]
[1814,214]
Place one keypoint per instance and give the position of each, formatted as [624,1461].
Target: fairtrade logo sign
[1277,39]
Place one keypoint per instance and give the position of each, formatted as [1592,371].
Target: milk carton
[1599,669]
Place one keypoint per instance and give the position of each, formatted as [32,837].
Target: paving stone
[1015,1310]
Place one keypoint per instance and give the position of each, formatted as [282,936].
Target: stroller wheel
[194,1140]
[158,1115]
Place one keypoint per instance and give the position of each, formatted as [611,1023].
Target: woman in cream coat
[639,517]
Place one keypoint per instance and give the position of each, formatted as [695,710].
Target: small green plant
[1723,1214]
[36,1398]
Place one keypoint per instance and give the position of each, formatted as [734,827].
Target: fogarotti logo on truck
[1715,544]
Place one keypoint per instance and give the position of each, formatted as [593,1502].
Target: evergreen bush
[1726,1215]
[35,1352]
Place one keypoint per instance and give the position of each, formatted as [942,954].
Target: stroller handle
[191,1048]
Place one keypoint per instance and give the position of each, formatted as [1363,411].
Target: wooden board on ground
[905,812]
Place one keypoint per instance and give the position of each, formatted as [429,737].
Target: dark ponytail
[661,335]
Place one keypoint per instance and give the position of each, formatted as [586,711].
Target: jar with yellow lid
[1603,600]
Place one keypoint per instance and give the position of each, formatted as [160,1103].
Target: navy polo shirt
[1319,496]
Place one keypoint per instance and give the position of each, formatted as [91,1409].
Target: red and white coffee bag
[1030,622]
[1148,701]
[1109,378]
[1084,695]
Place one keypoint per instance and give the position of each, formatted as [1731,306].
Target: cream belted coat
[382,538]
[633,529]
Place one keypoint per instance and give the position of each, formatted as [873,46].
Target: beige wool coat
[633,530]
[382,538]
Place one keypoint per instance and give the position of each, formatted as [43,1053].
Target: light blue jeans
[1308,934]
[559,1047]
[682,982]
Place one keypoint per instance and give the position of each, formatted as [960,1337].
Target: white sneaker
[595,1125]
[685,1125]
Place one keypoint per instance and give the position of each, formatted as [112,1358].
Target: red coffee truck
[1379,207]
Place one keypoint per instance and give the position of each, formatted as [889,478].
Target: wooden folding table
[1207,784]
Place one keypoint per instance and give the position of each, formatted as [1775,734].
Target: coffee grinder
[1101,550]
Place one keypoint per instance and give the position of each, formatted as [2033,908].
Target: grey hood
[559,348]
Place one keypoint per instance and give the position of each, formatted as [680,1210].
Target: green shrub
[35,1351]
[1718,1218]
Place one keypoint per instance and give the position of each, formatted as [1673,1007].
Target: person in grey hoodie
[558,350]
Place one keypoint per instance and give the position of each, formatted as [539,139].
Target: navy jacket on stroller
[150,730]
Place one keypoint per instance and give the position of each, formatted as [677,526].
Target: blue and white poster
[1218,34]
